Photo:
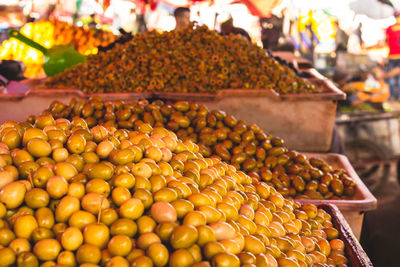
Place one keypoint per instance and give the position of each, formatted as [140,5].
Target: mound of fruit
[192,60]
[218,135]
[50,33]
[96,195]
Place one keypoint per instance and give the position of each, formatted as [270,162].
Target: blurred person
[393,42]
[182,18]
[123,16]
[12,70]
[228,28]
[271,31]
[340,78]
[341,38]
[392,73]
[92,24]
[354,43]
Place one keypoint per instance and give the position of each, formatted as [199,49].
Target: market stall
[177,148]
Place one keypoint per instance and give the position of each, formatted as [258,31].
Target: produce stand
[356,254]
[167,196]
[37,100]
[352,210]
[312,115]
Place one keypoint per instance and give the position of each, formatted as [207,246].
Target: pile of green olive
[247,147]
[77,193]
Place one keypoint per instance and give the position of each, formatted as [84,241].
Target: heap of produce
[219,135]
[50,33]
[192,60]
[73,194]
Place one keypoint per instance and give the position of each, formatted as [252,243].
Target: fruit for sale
[50,33]
[193,60]
[219,135]
[188,210]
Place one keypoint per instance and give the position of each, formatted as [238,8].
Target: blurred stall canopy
[259,8]
[375,9]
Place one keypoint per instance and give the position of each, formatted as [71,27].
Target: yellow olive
[60,154]
[33,133]
[81,219]
[38,147]
[11,138]
[211,249]
[195,218]
[108,216]
[126,180]
[101,171]
[6,236]
[124,227]
[164,230]
[122,157]
[41,233]
[12,194]
[146,239]
[44,120]
[184,236]
[98,186]
[119,245]
[27,168]
[146,224]
[47,249]
[27,259]
[66,170]
[158,254]
[24,226]
[37,198]
[182,207]
[142,169]
[88,253]
[59,228]
[104,148]
[71,238]
[41,176]
[44,217]
[225,259]
[181,257]
[57,187]
[135,253]
[117,261]
[76,189]
[66,258]
[142,261]
[20,245]
[120,194]
[76,144]
[93,202]
[7,256]
[96,234]
[132,209]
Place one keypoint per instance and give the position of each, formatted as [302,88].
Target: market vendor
[393,42]
[182,18]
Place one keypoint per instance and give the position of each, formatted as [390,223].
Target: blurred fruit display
[50,33]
